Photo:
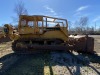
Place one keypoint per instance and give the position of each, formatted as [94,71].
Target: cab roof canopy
[37,17]
[31,18]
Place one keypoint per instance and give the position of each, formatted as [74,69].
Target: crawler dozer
[44,33]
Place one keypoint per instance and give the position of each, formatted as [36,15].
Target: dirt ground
[96,43]
[46,64]
[5,48]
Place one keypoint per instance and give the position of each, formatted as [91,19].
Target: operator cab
[39,23]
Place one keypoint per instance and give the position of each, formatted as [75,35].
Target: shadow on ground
[43,63]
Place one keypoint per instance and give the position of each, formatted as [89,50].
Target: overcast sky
[71,10]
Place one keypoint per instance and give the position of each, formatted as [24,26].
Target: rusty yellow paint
[36,31]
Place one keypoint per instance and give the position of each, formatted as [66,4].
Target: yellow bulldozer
[44,33]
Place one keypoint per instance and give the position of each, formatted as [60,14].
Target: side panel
[56,34]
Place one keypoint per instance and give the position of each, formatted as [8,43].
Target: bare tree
[19,9]
[76,23]
[81,25]
[69,25]
[83,22]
